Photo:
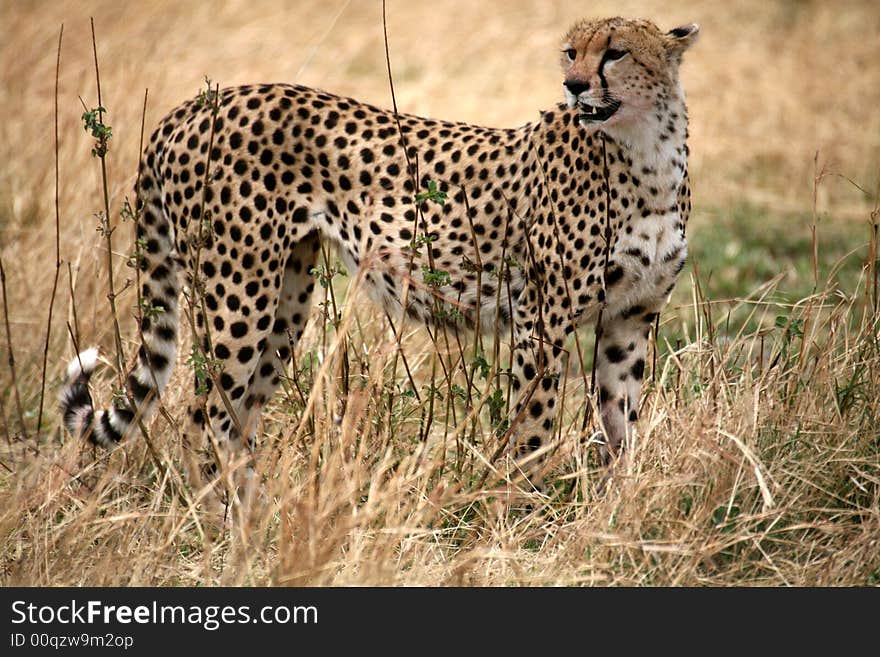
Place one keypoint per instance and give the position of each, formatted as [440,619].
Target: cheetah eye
[612,55]
[571,53]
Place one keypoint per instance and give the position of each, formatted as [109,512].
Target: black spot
[614,354]
[632,311]
[614,275]
[638,368]
[138,390]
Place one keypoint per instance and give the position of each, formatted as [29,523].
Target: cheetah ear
[682,38]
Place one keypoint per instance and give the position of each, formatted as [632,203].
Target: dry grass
[758,460]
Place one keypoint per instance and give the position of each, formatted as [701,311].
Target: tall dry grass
[758,457]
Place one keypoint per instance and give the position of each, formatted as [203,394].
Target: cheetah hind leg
[291,316]
[267,358]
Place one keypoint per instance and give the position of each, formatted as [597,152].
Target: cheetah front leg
[620,367]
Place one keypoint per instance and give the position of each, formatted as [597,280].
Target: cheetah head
[620,71]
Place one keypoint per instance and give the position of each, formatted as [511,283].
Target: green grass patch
[738,249]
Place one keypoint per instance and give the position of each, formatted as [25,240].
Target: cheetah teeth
[597,113]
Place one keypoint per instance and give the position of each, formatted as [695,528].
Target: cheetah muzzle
[275,170]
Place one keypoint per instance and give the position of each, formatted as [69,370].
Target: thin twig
[75,329]
[57,253]
[108,231]
[11,358]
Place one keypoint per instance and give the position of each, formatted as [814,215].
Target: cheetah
[591,200]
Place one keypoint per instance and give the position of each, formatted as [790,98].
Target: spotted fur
[289,166]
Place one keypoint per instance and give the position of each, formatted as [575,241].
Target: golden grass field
[758,456]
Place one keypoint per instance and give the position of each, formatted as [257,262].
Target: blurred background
[784,100]
[781,93]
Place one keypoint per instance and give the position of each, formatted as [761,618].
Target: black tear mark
[601,72]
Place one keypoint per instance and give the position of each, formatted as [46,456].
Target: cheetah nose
[577,87]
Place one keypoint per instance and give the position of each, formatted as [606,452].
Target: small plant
[458,392]
[433,391]
[136,259]
[94,124]
[433,194]
[450,314]
[416,243]
[208,96]
[498,411]
[202,366]
[793,327]
[126,213]
[482,364]
[118,397]
[469,265]
[326,275]
[435,277]
[148,310]
[103,227]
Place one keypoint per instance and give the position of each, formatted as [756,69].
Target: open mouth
[596,114]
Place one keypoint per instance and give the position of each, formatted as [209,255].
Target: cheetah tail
[104,427]
[158,327]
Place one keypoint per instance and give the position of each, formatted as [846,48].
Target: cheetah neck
[656,150]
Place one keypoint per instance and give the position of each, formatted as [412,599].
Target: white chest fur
[649,247]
